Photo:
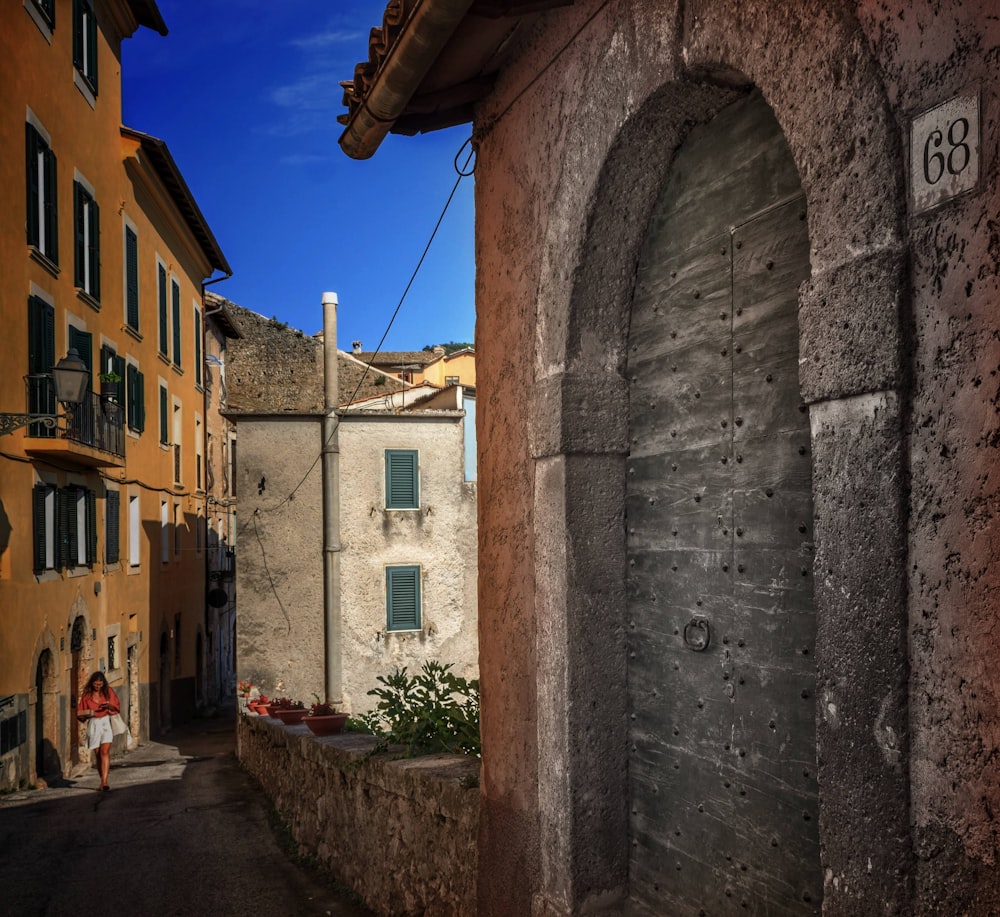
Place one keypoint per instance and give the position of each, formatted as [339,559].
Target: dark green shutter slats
[112,535]
[41,358]
[38,518]
[176,302]
[83,341]
[94,249]
[164,428]
[85,41]
[401,479]
[118,368]
[162,292]
[197,346]
[65,533]
[402,586]
[131,278]
[135,399]
[90,507]
[51,223]
[80,248]
[31,158]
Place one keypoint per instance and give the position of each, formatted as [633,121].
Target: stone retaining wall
[401,833]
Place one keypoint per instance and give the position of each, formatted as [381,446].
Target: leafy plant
[109,377]
[434,710]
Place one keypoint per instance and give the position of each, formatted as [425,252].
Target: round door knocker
[697,635]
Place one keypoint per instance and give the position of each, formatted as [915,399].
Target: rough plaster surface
[897,322]
[440,537]
[400,833]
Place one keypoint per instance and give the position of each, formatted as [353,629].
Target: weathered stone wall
[900,357]
[401,833]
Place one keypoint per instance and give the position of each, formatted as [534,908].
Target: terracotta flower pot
[290,715]
[263,710]
[326,725]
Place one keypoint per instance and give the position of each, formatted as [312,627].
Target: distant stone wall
[400,833]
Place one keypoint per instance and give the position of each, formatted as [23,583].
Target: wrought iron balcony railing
[96,421]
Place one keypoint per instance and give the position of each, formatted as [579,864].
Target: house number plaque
[944,152]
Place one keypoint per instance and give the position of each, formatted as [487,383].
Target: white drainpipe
[331,503]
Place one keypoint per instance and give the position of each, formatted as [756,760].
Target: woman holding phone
[98,702]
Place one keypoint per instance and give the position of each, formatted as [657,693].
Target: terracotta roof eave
[173,180]
[148,14]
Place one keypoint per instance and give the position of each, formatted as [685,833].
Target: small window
[131,278]
[87,276]
[42,220]
[114,657]
[402,598]
[402,484]
[197,346]
[85,42]
[44,519]
[65,527]
[451,380]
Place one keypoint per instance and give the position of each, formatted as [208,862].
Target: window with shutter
[47,9]
[41,180]
[131,278]
[135,398]
[88,504]
[402,484]
[175,291]
[41,358]
[112,527]
[197,346]
[87,265]
[44,525]
[161,287]
[164,420]
[402,597]
[85,42]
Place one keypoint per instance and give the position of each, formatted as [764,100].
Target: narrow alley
[182,832]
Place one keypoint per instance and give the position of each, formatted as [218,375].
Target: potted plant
[109,384]
[323,719]
[287,710]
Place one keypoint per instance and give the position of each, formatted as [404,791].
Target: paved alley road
[182,832]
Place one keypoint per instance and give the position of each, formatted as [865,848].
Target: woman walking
[98,702]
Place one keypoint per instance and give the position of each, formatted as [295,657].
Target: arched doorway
[47,763]
[722,765]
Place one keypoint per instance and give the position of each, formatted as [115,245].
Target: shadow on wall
[5,528]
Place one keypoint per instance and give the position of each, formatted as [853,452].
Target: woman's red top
[93,701]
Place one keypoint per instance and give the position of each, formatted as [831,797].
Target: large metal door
[719,515]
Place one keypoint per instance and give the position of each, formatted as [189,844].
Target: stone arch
[43,713]
[806,60]
[81,658]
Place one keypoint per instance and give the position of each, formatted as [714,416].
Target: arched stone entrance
[81,660]
[848,379]
[47,761]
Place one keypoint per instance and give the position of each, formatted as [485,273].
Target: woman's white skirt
[99,732]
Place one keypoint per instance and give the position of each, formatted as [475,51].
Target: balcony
[94,434]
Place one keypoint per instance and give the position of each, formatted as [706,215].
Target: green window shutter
[402,487]
[32,140]
[38,518]
[402,598]
[113,527]
[118,368]
[92,45]
[78,34]
[162,288]
[175,291]
[83,341]
[197,346]
[90,522]
[65,534]
[131,278]
[164,427]
[140,388]
[51,221]
[41,358]
[94,251]
[79,238]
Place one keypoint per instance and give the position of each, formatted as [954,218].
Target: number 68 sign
[944,152]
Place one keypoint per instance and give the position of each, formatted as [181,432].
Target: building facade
[357,558]
[738,421]
[103,252]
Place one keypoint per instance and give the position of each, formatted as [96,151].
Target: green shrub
[432,711]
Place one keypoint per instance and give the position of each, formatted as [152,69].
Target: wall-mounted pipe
[333,672]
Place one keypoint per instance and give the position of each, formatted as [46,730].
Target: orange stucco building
[102,520]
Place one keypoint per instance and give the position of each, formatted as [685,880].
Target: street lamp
[70,378]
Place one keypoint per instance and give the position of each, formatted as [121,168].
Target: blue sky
[246,94]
